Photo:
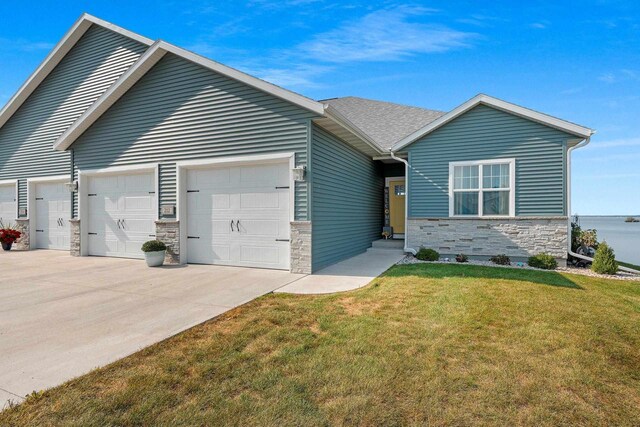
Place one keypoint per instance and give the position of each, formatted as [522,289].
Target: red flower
[9,235]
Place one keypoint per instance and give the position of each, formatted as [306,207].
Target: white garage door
[239,216]
[8,211]
[121,214]
[53,210]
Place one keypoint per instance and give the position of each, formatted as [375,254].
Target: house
[116,139]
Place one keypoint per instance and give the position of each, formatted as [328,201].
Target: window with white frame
[482,188]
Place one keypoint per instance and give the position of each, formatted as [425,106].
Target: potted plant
[8,235]
[154,251]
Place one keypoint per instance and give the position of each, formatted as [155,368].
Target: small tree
[605,260]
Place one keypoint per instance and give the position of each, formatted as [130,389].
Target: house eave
[545,119]
[56,55]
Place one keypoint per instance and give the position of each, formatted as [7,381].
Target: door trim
[387,181]
[181,184]
[13,182]
[31,200]
[83,175]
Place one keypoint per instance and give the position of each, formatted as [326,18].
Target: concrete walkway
[347,275]
[61,316]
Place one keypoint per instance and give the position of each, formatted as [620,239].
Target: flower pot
[154,259]
[7,246]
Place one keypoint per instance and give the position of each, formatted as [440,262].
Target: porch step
[388,244]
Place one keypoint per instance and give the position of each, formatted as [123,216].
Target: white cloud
[607,78]
[23,45]
[384,35]
[299,76]
[539,25]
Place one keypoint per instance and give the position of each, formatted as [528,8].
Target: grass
[424,344]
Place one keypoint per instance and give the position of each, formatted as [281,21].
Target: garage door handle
[282,188]
[282,240]
[238,225]
[92,234]
[192,237]
[39,231]
[232,226]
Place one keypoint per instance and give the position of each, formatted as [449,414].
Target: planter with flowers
[8,235]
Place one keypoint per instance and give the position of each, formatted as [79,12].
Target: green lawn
[424,344]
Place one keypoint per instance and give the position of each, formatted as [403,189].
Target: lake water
[623,237]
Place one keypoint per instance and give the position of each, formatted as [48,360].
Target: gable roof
[563,125]
[56,55]
[156,52]
[384,123]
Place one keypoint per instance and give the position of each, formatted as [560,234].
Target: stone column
[168,232]
[301,247]
[74,229]
[23,243]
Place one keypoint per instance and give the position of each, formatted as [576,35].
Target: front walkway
[350,274]
[62,316]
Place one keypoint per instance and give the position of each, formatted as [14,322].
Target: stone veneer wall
[74,229]
[301,247]
[23,243]
[168,232]
[516,237]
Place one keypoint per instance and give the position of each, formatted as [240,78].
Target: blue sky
[579,61]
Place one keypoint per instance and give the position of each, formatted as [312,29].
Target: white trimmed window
[484,188]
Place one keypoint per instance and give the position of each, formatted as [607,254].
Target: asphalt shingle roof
[385,123]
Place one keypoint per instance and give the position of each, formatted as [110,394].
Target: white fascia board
[287,95]
[55,56]
[499,104]
[341,120]
[145,63]
[115,92]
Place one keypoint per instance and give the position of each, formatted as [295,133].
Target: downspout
[573,254]
[406,202]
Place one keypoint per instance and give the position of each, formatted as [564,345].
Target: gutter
[573,254]
[406,202]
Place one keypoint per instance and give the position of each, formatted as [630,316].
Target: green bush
[501,259]
[153,246]
[462,258]
[605,260]
[425,254]
[544,261]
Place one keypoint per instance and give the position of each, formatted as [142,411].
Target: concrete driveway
[62,316]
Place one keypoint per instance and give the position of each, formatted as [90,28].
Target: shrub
[153,246]
[425,254]
[544,261]
[501,259]
[605,260]
[462,258]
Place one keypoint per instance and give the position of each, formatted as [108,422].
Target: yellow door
[396,205]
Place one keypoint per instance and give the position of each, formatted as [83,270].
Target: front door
[397,205]
[53,210]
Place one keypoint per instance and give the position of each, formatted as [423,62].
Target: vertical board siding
[347,192]
[182,111]
[486,133]
[97,60]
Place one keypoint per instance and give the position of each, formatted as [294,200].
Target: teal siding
[182,111]
[346,192]
[85,73]
[486,133]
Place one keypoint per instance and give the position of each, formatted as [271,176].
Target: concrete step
[387,251]
[388,244]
